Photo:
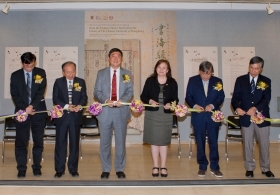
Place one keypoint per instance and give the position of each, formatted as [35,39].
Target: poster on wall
[193,56]
[235,62]
[53,58]
[143,40]
[13,63]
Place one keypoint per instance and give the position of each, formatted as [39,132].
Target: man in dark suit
[113,86]
[252,94]
[205,93]
[27,89]
[70,93]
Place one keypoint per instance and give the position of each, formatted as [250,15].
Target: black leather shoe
[21,174]
[75,174]
[249,174]
[105,175]
[37,172]
[58,175]
[268,174]
[162,174]
[155,174]
[120,175]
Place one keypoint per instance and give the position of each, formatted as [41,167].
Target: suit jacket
[195,95]
[60,97]
[102,92]
[243,99]
[19,93]
[151,91]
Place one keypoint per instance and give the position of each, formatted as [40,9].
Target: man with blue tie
[252,94]
[27,88]
[113,86]
[205,93]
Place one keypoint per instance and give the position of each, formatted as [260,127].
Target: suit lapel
[108,80]
[65,89]
[200,83]
[121,84]
[22,79]
[210,86]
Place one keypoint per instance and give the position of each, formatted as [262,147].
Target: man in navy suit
[27,89]
[252,94]
[205,93]
[70,93]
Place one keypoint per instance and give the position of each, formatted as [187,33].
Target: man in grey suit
[113,86]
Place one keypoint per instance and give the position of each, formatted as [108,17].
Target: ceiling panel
[190,1]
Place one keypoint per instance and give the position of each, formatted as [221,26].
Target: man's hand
[198,107]
[167,106]
[29,109]
[110,103]
[252,111]
[118,103]
[77,108]
[209,108]
[71,108]
[240,112]
[153,103]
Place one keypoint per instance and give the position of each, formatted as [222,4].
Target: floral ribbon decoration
[219,117]
[181,110]
[259,118]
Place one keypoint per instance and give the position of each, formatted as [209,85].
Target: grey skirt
[157,127]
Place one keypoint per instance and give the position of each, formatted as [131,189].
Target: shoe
[249,174]
[201,173]
[120,175]
[162,174]
[217,173]
[155,174]
[37,172]
[105,175]
[21,174]
[75,174]
[58,175]
[268,174]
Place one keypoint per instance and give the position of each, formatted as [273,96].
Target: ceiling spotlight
[6,8]
[269,9]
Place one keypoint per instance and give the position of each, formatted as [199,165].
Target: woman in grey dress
[160,90]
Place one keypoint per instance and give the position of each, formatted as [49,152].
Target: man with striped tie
[69,92]
[27,89]
[252,94]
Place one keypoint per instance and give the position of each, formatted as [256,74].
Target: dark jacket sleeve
[56,97]
[15,93]
[83,97]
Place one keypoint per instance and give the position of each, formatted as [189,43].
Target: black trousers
[68,126]
[22,139]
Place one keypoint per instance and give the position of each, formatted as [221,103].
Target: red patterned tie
[114,87]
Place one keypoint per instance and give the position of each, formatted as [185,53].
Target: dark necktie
[28,87]
[253,86]
[114,87]
[70,92]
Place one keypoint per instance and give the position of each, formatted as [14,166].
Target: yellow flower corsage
[262,85]
[38,79]
[77,87]
[126,78]
[218,86]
